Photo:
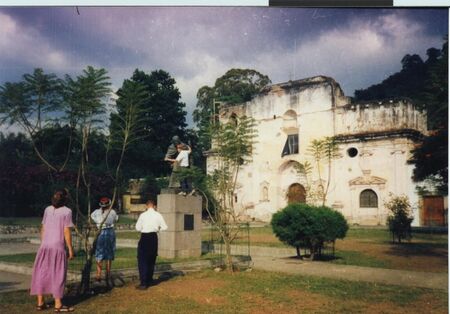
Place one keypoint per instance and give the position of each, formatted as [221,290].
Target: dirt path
[13,282]
[353,273]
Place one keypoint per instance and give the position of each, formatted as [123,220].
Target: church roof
[315,80]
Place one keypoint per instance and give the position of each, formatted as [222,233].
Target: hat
[104,202]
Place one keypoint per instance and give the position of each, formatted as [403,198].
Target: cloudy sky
[357,47]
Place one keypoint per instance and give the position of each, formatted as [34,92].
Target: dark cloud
[358,47]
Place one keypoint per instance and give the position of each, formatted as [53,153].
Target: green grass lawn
[358,259]
[23,221]
[250,292]
[353,250]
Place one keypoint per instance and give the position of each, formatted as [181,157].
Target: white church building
[374,143]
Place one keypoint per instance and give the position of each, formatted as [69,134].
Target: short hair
[59,198]
[150,201]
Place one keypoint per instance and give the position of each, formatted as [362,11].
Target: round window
[352,152]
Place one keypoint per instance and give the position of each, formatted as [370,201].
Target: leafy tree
[44,93]
[162,116]
[232,145]
[235,86]
[400,217]
[302,225]
[426,83]
[431,156]
[31,104]
[81,117]
[325,149]
[239,85]
[322,151]
[406,83]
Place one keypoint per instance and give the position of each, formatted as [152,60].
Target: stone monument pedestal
[183,215]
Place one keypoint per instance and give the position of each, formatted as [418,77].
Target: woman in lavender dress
[50,265]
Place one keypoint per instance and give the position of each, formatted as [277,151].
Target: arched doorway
[296,194]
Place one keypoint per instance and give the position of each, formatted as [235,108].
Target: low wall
[21,229]
[133,273]
[18,229]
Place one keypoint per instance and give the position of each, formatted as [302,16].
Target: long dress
[50,265]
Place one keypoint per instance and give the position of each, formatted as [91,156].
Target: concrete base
[183,215]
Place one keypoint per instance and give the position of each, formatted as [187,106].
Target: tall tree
[163,116]
[408,82]
[239,85]
[31,104]
[426,83]
[235,86]
[233,142]
[431,156]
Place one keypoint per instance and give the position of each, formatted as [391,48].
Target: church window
[352,152]
[368,198]
[291,145]
[233,119]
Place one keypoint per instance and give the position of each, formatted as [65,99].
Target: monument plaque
[183,215]
[188,222]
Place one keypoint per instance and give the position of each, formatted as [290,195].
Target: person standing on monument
[182,161]
[171,154]
[148,224]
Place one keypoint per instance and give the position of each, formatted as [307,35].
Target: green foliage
[128,121]
[239,85]
[431,156]
[159,116]
[322,150]
[29,102]
[86,96]
[406,83]
[235,86]
[232,147]
[302,225]
[400,217]
[426,83]
[150,189]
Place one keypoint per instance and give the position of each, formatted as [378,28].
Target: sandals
[41,307]
[64,308]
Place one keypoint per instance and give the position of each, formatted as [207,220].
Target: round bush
[302,225]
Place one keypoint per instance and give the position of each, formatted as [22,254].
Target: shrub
[400,217]
[302,225]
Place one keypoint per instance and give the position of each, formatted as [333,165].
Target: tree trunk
[312,251]
[298,252]
[85,284]
[229,258]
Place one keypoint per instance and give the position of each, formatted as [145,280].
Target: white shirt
[150,221]
[183,158]
[98,215]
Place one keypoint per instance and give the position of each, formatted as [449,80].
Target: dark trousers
[147,252]
[185,184]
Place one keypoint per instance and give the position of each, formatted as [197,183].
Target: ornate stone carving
[367,180]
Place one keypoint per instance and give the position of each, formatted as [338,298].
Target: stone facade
[374,144]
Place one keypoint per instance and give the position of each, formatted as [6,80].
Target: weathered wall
[378,117]
[382,133]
